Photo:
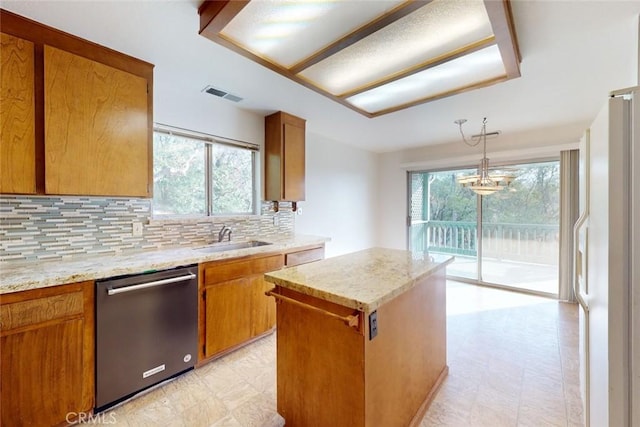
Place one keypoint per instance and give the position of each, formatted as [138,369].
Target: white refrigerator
[607,260]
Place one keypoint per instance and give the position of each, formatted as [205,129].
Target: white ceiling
[573,54]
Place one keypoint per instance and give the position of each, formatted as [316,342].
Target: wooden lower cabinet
[228,320]
[263,313]
[233,306]
[47,355]
[333,374]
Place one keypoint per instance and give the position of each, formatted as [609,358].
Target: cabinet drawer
[217,272]
[30,312]
[303,257]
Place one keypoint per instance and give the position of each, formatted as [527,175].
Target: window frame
[209,141]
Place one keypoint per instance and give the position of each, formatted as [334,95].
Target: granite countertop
[361,280]
[19,276]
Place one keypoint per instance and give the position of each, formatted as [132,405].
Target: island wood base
[331,374]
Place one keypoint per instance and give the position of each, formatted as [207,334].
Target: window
[199,175]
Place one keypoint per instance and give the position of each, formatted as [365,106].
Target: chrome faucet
[224,231]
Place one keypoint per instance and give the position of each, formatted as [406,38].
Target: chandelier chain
[473,142]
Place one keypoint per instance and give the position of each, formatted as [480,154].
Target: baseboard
[234,348]
[417,418]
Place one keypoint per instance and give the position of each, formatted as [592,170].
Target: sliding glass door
[508,239]
[520,231]
[444,219]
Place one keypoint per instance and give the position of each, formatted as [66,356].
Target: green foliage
[179,177]
[532,199]
[535,198]
[449,201]
[232,180]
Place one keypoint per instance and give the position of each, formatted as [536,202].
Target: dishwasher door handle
[155,283]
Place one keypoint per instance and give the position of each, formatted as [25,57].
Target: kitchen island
[361,338]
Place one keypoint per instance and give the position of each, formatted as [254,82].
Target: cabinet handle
[150,284]
[352,320]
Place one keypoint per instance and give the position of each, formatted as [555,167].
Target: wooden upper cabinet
[284,157]
[17,116]
[76,117]
[96,128]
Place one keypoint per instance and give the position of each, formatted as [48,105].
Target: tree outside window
[182,186]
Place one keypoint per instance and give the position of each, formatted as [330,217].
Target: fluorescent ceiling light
[481,66]
[374,57]
[300,27]
[450,24]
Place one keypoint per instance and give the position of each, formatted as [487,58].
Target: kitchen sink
[222,247]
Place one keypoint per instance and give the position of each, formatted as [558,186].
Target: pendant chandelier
[484,182]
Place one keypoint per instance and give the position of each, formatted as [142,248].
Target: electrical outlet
[373,325]
[276,220]
[136,229]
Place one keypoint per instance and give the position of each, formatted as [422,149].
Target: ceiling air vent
[221,94]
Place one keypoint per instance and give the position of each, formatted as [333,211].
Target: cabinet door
[263,308]
[17,116]
[228,315]
[96,128]
[284,167]
[293,162]
[47,355]
[42,386]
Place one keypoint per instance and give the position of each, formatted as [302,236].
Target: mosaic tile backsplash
[38,228]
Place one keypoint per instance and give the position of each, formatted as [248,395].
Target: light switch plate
[373,325]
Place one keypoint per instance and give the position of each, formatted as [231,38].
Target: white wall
[341,195]
[200,112]
[205,113]
[392,202]
[341,180]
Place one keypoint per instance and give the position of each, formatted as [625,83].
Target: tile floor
[513,361]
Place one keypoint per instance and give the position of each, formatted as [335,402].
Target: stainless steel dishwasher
[146,331]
